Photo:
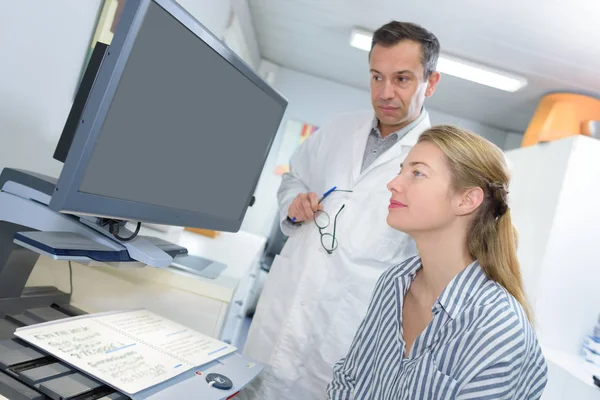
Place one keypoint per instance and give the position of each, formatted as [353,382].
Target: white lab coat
[313,302]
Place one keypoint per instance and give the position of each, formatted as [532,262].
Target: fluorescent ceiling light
[484,75]
[361,39]
[480,74]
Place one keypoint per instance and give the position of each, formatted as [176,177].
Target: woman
[452,322]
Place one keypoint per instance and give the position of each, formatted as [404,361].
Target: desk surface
[574,365]
[189,299]
[236,250]
[232,249]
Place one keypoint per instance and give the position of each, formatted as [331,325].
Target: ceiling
[555,44]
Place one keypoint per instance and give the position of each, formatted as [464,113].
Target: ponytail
[492,239]
[493,242]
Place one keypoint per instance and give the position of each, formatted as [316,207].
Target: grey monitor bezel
[68,199]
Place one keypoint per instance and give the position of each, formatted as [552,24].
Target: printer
[168,127]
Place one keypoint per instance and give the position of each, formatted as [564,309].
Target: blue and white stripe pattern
[479,345]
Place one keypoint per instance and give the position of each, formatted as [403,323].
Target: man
[318,289]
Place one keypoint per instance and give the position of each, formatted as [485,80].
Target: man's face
[398,84]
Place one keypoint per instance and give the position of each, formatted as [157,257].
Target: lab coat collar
[403,131]
[412,136]
[360,142]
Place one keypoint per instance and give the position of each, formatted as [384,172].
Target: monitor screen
[186,132]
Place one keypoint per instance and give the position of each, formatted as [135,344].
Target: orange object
[307,131]
[560,115]
[204,232]
[282,169]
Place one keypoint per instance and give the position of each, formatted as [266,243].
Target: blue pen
[327,193]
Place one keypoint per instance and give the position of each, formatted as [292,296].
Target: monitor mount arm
[24,199]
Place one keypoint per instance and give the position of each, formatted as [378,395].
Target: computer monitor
[176,129]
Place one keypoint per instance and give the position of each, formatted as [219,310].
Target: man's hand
[304,206]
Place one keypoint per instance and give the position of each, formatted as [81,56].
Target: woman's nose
[394,184]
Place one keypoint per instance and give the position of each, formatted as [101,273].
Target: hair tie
[499,193]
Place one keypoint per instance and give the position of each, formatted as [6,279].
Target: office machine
[168,127]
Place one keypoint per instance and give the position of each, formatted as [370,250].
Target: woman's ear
[470,200]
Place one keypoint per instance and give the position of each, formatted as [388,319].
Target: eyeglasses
[322,220]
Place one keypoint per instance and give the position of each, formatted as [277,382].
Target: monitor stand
[16,264]
[24,213]
[24,199]
[140,248]
[23,208]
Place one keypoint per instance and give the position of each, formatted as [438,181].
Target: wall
[314,100]
[494,135]
[513,141]
[213,14]
[43,49]
[246,32]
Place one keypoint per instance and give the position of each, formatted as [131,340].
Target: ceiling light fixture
[484,75]
[361,39]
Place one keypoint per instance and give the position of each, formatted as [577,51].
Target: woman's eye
[417,173]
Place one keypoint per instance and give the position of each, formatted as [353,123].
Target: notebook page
[115,358]
[187,345]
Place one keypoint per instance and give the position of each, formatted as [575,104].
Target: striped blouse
[479,345]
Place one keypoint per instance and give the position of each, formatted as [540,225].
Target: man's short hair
[395,32]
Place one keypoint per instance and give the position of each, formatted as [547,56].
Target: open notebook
[129,350]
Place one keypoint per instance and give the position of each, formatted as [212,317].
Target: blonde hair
[492,239]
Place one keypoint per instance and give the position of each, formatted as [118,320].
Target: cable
[70,278]
[114,227]
[115,232]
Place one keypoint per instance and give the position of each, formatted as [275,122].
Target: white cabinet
[555,202]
